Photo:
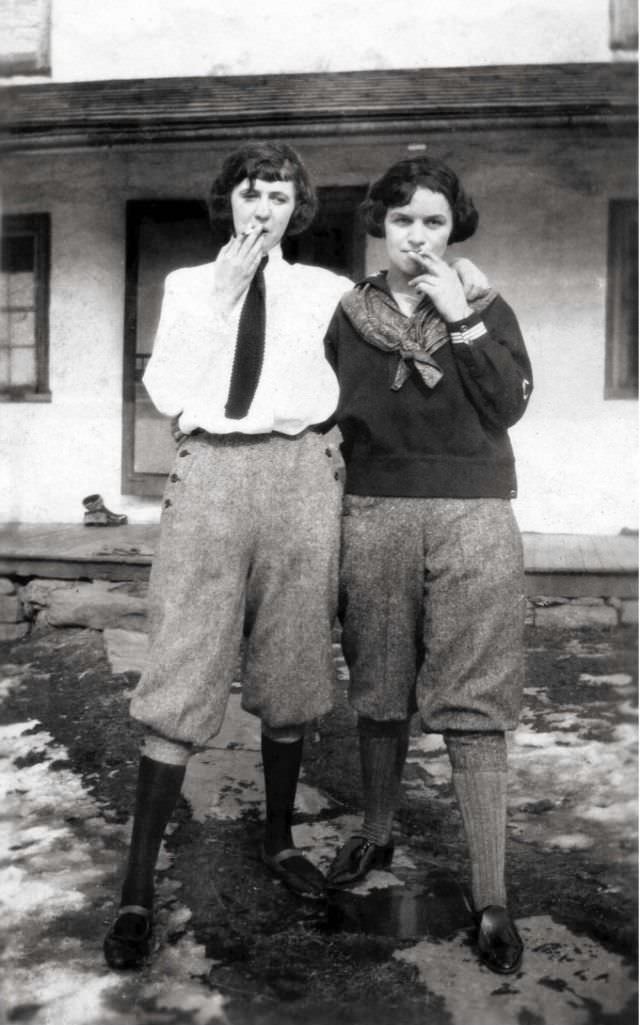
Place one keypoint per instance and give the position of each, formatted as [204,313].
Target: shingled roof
[152,110]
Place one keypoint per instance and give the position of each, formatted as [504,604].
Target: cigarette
[419,259]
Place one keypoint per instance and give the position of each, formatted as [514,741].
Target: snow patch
[48,873]
[563,969]
[614,679]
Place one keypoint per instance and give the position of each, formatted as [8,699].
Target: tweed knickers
[249,540]
[432,605]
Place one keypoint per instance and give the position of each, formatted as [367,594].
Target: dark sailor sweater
[449,441]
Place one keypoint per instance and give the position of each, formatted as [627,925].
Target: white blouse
[190,368]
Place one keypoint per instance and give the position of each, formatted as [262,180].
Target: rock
[95,605]
[137,588]
[570,616]
[6,586]
[538,807]
[37,593]
[629,612]
[11,610]
[13,631]
[127,650]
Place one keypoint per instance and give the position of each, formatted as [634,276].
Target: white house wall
[91,39]
[543,201]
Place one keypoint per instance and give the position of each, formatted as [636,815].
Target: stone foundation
[573,613]
[14,620]
[111,605]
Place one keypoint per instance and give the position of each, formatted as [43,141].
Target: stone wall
[580,612]
[14,618]
[111,605]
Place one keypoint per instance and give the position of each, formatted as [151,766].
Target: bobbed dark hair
[271,161]
[398,184]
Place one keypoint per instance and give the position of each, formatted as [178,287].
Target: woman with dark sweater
[432,573]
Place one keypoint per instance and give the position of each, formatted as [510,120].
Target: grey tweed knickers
[432,605]
[249,541]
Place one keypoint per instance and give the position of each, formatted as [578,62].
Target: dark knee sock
[383,752]
[479,763]
[159,786]
[281,762]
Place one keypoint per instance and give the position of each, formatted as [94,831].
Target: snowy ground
[63,835]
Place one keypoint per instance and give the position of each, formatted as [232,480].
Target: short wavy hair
[398,184]
[271,161]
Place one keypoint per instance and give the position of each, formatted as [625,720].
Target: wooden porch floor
[571,565]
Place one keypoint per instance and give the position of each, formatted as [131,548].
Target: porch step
[569,565]
[581,565]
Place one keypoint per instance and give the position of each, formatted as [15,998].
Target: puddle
[436,909]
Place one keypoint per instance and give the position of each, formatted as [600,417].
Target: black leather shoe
[296,872]
[128,942]
[356,858]
[499,943]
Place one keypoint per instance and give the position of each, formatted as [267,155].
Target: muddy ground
[265,958]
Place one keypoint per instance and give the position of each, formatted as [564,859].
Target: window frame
[623,26]
[35,59]
[38,226]
[619,320]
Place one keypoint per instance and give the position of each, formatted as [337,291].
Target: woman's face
[264,207]
[421,226]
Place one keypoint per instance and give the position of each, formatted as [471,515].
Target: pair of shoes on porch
[499,944]
[97,514]
[356,858]
[296,872]
[128,941]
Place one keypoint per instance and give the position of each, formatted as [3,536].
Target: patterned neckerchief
[376,316]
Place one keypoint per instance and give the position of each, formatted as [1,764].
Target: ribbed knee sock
[159,786]
[479,764]
[281,762]
[383,752]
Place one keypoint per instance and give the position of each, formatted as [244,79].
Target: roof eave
[148,112]
[144,133]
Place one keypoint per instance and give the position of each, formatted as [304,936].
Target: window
[24,308]
[24,37]
[163,235]
[623,22]
[621,364]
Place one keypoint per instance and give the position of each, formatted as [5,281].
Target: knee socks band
[159,786]
[479,764]
[281,761]
[383,752]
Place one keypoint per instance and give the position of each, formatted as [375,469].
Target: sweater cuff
[467,331]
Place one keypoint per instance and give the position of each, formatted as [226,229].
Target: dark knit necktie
[249,354]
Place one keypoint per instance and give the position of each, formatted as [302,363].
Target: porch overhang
[126,112]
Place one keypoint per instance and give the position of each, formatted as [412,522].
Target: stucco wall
[120,39]
[542,239]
